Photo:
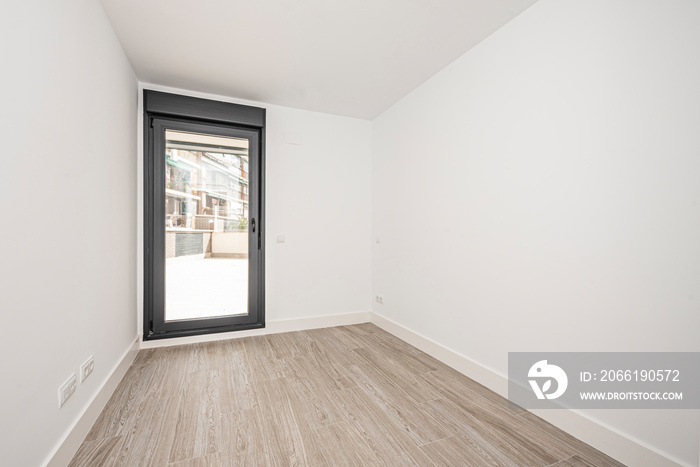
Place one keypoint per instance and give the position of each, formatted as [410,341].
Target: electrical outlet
[67,389]
[380,300]
[86,368]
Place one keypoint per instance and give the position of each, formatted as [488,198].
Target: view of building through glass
[206,226]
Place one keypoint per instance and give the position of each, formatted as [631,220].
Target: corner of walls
[69,181]
[318,183]
[540,193]
[605,438]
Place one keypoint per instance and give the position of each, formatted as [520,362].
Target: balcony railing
[204,222]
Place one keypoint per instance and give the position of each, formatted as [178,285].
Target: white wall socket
[380,300]
[86,368]
[67,389]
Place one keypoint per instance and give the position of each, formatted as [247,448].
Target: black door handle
[253,224]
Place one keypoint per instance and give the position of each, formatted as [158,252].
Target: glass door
[206,225]
[206,219]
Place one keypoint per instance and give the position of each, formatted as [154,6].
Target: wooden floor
[352,395]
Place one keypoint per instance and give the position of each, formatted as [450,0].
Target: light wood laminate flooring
[343,396]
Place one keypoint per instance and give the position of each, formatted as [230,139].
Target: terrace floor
[205,287]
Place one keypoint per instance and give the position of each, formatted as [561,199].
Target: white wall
[318,196]
[228,243]
[68,195]
[542,194]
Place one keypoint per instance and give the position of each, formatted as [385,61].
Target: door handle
[253,224]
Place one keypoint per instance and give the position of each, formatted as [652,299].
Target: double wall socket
[67,389]
[86,368]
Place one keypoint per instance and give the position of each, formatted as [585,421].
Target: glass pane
[206,226]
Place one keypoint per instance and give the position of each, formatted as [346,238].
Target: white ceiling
[352,57]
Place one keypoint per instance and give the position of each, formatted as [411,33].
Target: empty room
[334,233]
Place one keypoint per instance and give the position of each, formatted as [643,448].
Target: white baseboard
[604,438]
[601,437]
[67,448]
[271,327]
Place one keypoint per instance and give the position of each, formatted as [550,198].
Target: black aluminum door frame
[180,113]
